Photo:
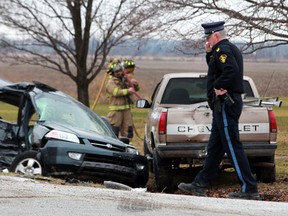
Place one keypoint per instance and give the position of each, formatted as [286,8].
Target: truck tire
[267,174]
[163,173]
[27,163]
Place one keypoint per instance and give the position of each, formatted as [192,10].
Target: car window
[66,111]
[8,112]
[33,119]
[185,91]
[9,106]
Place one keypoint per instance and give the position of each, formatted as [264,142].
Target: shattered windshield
[67,112]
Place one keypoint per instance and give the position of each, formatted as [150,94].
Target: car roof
[27,86]
[10,93]
[4,82]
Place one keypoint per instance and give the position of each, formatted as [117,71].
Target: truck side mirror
[142,103]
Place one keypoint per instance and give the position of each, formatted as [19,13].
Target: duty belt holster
[226,98]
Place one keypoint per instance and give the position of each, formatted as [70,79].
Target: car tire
[148,155]
[267,174]
[163,173]
[145,148]
[27,163]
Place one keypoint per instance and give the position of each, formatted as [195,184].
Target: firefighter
[119,92]
[129,67]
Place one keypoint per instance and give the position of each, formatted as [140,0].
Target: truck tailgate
[193,125]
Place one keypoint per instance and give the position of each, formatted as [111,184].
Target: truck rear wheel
[163,173]
[267,174]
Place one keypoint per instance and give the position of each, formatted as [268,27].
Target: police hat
[212,27]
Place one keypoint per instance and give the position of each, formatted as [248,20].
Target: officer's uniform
[225,71]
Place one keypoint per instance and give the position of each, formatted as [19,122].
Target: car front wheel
[26,163]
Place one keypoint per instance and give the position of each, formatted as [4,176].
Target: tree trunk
[83,93]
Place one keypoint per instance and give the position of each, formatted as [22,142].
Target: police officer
[118,92]
[224,89]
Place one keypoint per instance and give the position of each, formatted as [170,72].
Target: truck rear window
[185,91]
[247,89]
[191,90]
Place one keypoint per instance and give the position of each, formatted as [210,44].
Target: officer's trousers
[225,138]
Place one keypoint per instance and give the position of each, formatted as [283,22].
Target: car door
[10,116]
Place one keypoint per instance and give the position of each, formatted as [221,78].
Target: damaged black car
[46,132]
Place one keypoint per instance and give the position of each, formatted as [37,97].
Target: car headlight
[75,155]
[132,151]
[61,135]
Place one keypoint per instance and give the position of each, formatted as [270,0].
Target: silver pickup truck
[179,123]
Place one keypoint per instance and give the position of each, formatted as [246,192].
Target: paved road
[22,196]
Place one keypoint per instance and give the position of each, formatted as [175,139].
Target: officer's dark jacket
[225,71]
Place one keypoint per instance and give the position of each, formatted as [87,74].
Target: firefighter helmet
[114,67]
[127,63]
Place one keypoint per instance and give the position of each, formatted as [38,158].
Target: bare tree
[258,23]
[58,34]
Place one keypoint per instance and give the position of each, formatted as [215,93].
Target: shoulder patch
[223,58]
[218,49]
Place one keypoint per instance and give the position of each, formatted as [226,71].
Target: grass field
[282,150]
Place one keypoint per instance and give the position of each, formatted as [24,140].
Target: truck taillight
[162,123]
[272,120]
